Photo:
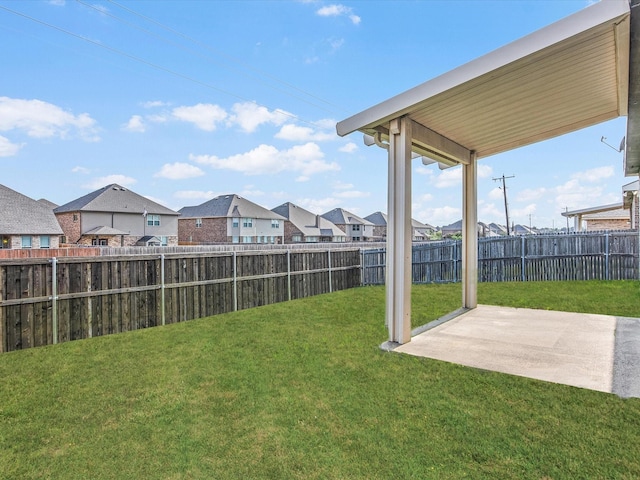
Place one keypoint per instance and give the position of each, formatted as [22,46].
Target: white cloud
[448,178]
[318,205]
[108,180]
[179,171]
[251,191]
[154,104]
[529,194]
[79,169]
[423,170]
[296,133]
[339,185]
[523,212]
[135,124]
[495,193]
[439,216]
[352,194]
[348,148]
[7,148]
[250,116]
[302,178]
[305,159]
[195,194]
[489,211]
[484,171]
[204,116]
[595,174]
[337,10]
[44,120]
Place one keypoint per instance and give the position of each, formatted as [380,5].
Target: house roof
[340,216]
[115,199]
[308,223]
[617,214]
[22,215]
[380,219]
[47,203]
[569,75]
[104,230]
[230,205]
[592,210]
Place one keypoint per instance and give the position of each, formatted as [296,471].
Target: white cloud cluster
[209,117]
[179,171]
[8,148]
[305,159]
[43,120]
[297,133]
[108,180]
[338,10]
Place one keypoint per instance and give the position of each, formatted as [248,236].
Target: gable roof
[380,219]
[115,199]
[593,210]
[309,224]
[569,75]
[340,216]
[230,205]
[22,215]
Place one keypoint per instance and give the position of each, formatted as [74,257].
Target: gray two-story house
[115,216]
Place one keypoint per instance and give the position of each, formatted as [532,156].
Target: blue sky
[184,100]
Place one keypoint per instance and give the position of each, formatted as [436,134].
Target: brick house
[229,219]
[357,229]
[304,226]
[25,222]
[604,217]
[115,216]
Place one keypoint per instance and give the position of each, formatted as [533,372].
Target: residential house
[229,219]
[605,217]
[455,229]
[356,228]
[420,231]
[25,222]
[115,216]
[304,226]
[523,230]
[631,201]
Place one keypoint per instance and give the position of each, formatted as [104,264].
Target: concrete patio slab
[574,349]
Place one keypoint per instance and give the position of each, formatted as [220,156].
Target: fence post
[455,261]
[162,305]
[606,255]
[524,279]
[329,259]
[289,274]
[235,281]
[361,267]
[54,298]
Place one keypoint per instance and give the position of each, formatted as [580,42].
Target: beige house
[356,228]
[114,216]
[303,226]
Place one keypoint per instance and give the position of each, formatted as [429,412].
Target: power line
[222,54]
[506,204]
[151,64]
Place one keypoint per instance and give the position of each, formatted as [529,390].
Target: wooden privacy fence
[46,301]
[580,256]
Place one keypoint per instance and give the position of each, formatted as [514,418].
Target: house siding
[604,224]
[213,230]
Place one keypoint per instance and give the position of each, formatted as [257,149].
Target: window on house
[153,220]
[75,217]
[247,222]
[355,239]
[6,243]
[247,239]
[198,222]
[275,223]
[163,241]
[296,238]
[44,241]
[235,239]
[355,228]
[236,222]
[26,242]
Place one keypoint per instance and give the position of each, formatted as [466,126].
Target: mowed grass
[301,390]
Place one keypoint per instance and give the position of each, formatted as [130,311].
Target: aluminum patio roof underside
[567,76]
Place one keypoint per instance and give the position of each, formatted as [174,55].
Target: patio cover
[569,75]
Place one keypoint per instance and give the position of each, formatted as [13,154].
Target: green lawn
[301,390]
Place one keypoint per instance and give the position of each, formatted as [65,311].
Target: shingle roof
[104,230]
[230,205]
[340,216]
[114,198]
[307,222]
[380,219]
[22,215]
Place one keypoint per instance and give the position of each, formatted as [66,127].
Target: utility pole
[506,204]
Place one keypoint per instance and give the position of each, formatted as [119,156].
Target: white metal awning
[567,76]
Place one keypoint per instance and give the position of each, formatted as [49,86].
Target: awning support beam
[398,262]
[470,233]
